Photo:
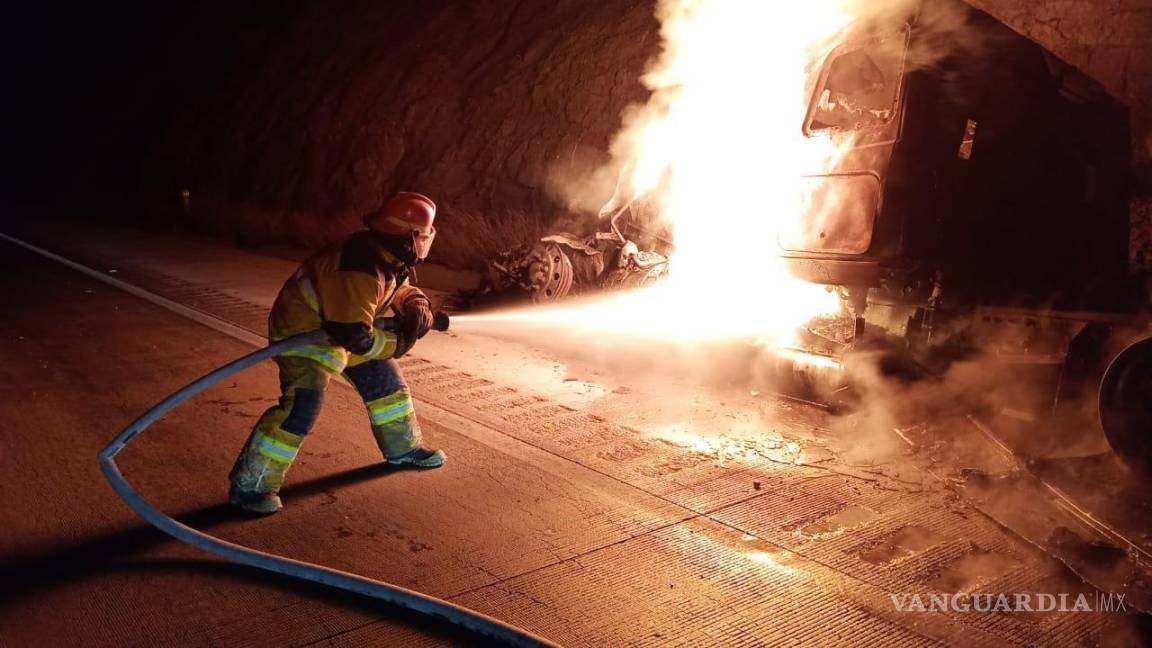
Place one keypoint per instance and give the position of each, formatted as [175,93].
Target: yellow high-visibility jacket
[342,289]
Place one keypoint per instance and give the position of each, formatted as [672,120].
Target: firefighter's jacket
[343,289]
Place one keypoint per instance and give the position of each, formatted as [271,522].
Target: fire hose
[476,622]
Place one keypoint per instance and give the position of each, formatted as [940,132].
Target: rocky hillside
[481,105]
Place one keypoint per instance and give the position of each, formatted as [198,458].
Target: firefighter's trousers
[278,434]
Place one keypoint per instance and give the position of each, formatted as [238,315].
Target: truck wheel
[1126,405]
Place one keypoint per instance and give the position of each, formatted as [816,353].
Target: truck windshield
[859,86]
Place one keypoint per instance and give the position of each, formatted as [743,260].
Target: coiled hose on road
[473,621]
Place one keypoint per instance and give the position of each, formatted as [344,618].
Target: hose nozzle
[440,321]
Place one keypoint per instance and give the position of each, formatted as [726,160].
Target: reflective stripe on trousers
[278,435]
[390,408]
[389,404]
[275,450]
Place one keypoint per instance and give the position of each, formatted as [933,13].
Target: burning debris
[560,265]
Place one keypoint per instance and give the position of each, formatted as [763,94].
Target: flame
[722,146]
[720,150]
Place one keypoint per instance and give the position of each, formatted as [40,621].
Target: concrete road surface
[550,514]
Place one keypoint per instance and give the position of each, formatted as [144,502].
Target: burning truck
[981,202]
[977,199]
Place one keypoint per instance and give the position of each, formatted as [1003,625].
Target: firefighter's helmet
[406,214]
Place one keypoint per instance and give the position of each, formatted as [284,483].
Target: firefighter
[342,289]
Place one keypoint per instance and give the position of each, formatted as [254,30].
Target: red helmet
[406,213]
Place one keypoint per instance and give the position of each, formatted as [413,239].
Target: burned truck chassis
[561,265]
[995,219]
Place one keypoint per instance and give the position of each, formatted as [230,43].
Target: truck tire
[1126,405]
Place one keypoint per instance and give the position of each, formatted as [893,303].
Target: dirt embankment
[324,109]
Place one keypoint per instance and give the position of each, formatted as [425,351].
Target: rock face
[330,107]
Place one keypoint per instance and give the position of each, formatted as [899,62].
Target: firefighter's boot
[254,502]
[259,471]
[420,457]
[397,432]
[393,417]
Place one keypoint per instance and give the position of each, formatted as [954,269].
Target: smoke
[890,399]
[583,183]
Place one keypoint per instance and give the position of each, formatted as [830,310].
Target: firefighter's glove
[404,343]
[416,320]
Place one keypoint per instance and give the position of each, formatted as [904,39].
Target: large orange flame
[720,150]
[722,142]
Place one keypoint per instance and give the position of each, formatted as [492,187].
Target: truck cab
[967,157]
[977,203]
